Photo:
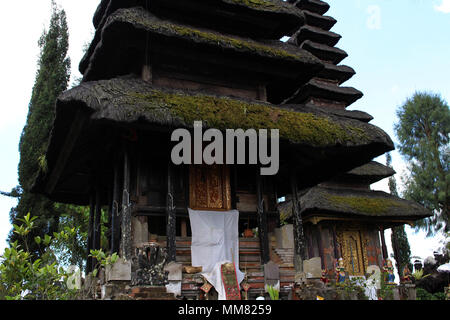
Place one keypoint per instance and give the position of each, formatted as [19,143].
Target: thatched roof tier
[316,6]
[339,203]
[352,114]
[130,100]
[339,73]
[373,170]
[319,144]
[100,12]
[315,34]
[267,19]
[319,21]
[325,90]
[324,52]
[315,37]
[132,36]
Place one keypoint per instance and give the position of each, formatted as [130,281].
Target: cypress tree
[52,78]
[399,238]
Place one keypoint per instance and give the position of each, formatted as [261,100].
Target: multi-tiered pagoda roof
[159,65]
[314,36]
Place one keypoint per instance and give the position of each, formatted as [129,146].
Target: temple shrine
[160,65]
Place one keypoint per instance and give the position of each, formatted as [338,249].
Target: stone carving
[313,268]
[148,266]
[285,237]
[119,271]
[272,275]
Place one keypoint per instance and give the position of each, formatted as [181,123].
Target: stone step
[151,293]
[156,296]
[186,259]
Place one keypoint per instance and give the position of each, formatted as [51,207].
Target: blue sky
[396,47]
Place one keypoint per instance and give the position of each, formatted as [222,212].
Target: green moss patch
[367,205]
[258,4]
[225,113]
[152,23]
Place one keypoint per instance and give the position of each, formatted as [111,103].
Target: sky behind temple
[397,47]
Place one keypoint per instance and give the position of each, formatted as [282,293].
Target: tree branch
[13,194]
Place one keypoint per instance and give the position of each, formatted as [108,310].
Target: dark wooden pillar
[115,227]
[262,221]
[318,236]
[171,214]
[335,244]
[309,240]
[90,239]
[233,185]
[383,244]
[97,219]
[299,233]
[127,252]
[109,223]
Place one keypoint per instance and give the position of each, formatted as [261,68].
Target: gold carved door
[352,252]
[210,188]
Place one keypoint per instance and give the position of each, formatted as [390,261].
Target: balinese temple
[160,65]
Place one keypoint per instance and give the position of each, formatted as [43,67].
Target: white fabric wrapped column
[215,241]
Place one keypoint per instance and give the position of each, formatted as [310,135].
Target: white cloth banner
[215,241]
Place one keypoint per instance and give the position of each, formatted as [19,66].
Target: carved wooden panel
[210,187]
[353,252]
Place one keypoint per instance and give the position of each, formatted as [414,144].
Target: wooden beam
[335,243]
[299,233]
[383,244]
[318,235]
[262,221]
[184,228]
[90,239]
[171,215]
[71,138]
[115,227]
[147,73]
[309,239]
[127,250]
[97,219]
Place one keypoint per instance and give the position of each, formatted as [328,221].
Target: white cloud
[443,7]
[374,19]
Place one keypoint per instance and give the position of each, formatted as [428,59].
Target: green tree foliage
[22,277]
[423,131]
[73,250]
[423,294]
[399,239]
[52,78]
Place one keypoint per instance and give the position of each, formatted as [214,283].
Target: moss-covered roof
[341,201]
[138,18]
[372,169]
[318,144]
[127,100]
[142,19]
[266,5]
[335,203]
[256,7]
